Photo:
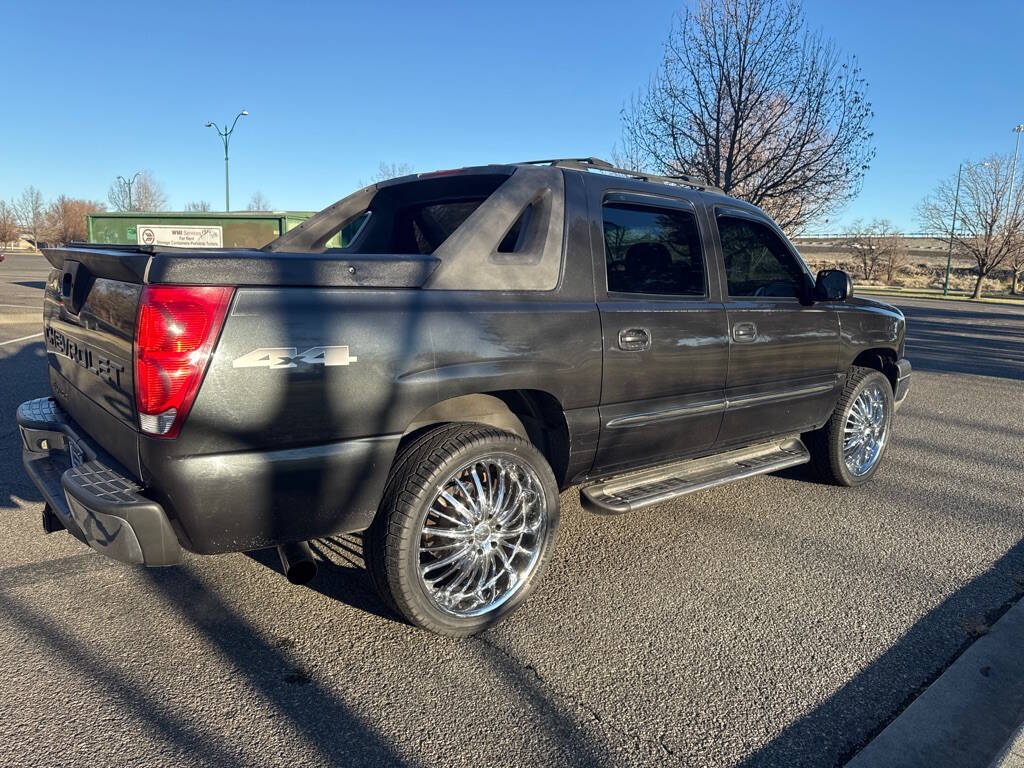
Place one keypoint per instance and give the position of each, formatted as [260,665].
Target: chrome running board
[627,493]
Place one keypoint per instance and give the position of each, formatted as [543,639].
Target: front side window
[652,250]
[757,262]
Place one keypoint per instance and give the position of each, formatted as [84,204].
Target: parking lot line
[23,338]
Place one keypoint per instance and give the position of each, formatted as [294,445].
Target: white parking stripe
[23,338]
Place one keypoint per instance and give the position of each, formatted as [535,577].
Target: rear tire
[466,525]
[849,449]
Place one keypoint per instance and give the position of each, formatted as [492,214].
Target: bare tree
[66,219]
[876,246]
[387,171]
[9,229]
[861,242]
[30,212]
[145,193]
[750,99]
[989,225]
[258,202]
[198,205]
[894,253]
[1016,267]
[627,156]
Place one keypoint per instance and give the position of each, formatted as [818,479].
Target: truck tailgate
[89,330]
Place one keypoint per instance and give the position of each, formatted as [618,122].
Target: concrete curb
[968,716]
[1013,754]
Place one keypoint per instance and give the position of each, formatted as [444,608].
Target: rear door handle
[634,339]
[744,332]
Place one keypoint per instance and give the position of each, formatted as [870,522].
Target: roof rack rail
[597,164]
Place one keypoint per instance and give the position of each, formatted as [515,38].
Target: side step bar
[628,493]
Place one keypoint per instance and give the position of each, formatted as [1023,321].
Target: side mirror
[833,285]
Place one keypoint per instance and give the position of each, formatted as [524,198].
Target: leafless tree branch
[750,99]
[146,194]
[989,225]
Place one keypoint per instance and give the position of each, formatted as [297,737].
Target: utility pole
[226,137]
[128,184]
[1019,129]
[952,226]
[952,229]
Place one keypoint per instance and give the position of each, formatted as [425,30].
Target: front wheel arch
[881,359]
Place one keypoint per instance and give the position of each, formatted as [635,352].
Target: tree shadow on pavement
[555,718]
[329,725]
[965,341]
[838,727]
[191,738]
[341,574]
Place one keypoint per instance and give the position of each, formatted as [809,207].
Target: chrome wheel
[482,535]
[866,430]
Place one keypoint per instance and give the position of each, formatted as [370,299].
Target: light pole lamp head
[1018,128]
[208,124]
[244,112]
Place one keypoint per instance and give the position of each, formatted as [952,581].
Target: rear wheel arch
[532,414]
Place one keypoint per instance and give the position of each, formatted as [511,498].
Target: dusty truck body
[490,336]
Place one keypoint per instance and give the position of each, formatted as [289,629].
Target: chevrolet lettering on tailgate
[104,367]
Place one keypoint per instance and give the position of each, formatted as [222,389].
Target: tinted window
[652,250]
[422,228]
[757,262]
[415,216]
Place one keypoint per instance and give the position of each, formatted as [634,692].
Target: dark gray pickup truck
[486,338]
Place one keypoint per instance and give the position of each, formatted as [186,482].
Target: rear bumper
[903,371]
[95,501]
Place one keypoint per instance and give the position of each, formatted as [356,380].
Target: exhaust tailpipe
[297,562]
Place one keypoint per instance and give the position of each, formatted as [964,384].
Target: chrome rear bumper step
[628,493]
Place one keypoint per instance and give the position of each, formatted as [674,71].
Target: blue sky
[335,88]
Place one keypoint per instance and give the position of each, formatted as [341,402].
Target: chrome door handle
[634,339]
[744,332]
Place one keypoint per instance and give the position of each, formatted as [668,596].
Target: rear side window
[500,230]
[757,262]
[652,250]
[422,228]
[418,216]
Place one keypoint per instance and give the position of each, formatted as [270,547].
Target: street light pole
[226,137]
[952,229]
[128,184]
[952,226]
[1018,129]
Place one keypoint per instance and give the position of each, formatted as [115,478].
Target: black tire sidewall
[837,436]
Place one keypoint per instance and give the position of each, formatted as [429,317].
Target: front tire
[466,525]
[849,448]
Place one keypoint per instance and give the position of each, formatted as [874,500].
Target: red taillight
[175,332]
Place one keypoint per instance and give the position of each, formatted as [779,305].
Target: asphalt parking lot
[775,622]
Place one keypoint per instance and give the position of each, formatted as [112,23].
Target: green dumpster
[195,229]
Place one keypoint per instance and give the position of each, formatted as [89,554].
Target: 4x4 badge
[289,357]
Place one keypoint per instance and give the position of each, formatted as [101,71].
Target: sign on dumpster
[183,237]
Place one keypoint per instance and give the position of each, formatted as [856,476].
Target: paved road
[776,622]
